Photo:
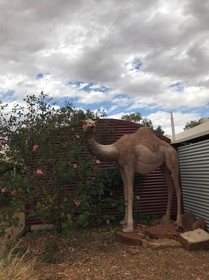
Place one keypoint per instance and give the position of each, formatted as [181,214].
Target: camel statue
[139,152]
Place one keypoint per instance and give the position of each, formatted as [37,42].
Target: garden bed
[12,233]
[95,254]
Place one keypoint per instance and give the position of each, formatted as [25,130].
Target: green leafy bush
[52,177]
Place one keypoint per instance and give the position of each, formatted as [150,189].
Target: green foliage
[146,122]
[5,198]
[144,219]
[137,118]
[100,196]
[46,169]
[133,117]
[51,250]
[191,124]
[160,130]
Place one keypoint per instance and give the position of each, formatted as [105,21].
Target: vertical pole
[173,128]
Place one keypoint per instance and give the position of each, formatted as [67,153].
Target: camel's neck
[102,152]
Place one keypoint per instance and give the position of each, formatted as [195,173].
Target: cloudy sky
[141,56]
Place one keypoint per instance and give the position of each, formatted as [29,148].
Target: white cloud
[164,120]
[93,42]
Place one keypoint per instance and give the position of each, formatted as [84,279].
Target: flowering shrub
[35,148]
[4,196]
[53,177]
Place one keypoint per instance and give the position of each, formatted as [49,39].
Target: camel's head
[88,125]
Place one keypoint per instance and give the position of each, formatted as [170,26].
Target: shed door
[194,169]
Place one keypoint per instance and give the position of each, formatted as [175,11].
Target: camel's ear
[85,121]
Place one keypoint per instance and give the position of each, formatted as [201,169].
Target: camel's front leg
[124,221]
[127,176]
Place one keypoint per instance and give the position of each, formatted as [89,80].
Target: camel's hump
[143,136]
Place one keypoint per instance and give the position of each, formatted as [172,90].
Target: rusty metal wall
[152,191]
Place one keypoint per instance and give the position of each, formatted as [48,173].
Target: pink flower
[65,144]
[29,128]
[35,148]
[98,161]
[137,197]
[3,190]
[13,193]
[2,142]
[75,165]
[77,136]
[77,202]
[39,172]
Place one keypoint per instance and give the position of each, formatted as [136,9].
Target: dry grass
[13,267]
[94,254]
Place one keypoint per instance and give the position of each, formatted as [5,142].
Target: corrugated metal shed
[194,169]
[198,131]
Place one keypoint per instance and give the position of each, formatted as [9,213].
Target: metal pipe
[173,127]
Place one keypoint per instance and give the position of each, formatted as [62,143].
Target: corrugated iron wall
[194,169]
[152,191]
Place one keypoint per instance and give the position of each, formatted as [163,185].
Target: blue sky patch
[40,76]
[202,111]
[89,86]
[178,86]
[134,65]
[7,95]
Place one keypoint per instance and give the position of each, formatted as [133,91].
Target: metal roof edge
[192,133]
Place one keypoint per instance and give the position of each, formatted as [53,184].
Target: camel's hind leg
[169,183]
[175,179]
[172,166]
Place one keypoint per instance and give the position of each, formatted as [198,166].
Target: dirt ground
[95,254]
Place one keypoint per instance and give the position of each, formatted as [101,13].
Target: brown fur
[140,152]
[143,135]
